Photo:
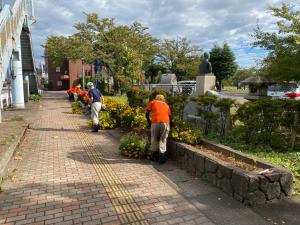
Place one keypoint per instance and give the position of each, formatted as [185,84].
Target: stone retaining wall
[247,187]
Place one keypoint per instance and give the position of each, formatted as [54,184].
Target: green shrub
[77,107]
[35,97]
[184,132]
[177,104]
[225,121]
[137,97]
[133,117]
[205,110]
[106,121]
[260,119]
[134,146]
[115,107]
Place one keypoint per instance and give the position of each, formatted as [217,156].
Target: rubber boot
[161,158]
[154,156]
[95,128]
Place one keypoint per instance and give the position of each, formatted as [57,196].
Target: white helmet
[90,84]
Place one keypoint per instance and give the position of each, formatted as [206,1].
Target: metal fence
[173,89]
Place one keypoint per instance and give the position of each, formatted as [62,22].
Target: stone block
[253,184]
[263,183]
[255,198]
[286,182]
[247,187]
[211,178]
[273,191]
[199,164]
[238,197]
[226,186]
[172,148]
[211,166]
[225,170]
[273,177]
[239,182]
[219,174]
[190,163]
[180,155]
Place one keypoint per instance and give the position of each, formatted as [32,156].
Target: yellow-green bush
[133,118]
[185,133]
[134,146]
[106,121]
[77,107]
[137,97]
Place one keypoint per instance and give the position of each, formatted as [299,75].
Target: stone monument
[206,80]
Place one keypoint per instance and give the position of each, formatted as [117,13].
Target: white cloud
[201,21]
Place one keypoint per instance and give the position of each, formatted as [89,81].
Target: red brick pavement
[59,182]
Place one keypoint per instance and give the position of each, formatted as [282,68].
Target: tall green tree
[153,69]
[223,63]
[56,48]
[180,57]
[283,45]
[122,49]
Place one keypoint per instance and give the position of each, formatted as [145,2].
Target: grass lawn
[289,160]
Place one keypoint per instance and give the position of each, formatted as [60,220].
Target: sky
[203,22]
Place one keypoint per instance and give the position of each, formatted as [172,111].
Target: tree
[223,63]
[120,48]
[283,45]
[56,49]
[153,69]
[241,74]
[180,57]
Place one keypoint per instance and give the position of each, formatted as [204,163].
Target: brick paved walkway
[69,175]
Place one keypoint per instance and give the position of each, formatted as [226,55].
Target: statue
[205,66]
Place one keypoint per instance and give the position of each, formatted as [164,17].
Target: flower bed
[248,187]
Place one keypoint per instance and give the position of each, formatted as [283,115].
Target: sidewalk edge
[11,150]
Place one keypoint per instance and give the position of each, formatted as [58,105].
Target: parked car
[284,91]
[276,91]
[294,94]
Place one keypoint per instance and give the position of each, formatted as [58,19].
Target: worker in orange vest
[159,117]
[73,92]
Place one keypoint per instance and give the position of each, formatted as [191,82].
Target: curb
[11,150]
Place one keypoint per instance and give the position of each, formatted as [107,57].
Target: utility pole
[83,75]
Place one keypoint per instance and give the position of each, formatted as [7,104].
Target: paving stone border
[8,154]
[248,187]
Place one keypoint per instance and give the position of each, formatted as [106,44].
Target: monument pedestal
[204,83]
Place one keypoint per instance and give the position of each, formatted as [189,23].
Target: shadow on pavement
[53,129]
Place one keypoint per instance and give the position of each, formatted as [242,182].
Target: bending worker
[95,100]
[158,114]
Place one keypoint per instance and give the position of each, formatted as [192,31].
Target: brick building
[67,75]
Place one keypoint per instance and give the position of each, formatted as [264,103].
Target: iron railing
[173,89]
[11,23]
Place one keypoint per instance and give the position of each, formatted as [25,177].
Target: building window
[57,70]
